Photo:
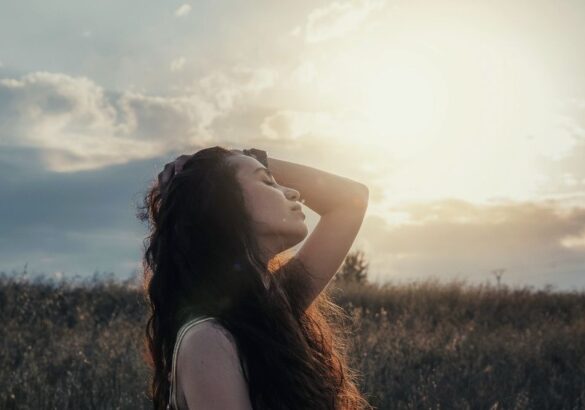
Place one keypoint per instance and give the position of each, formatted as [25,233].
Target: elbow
[365,191]
[366,195]
[361,196]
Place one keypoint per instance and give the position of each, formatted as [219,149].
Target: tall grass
[430,346]
[427,345]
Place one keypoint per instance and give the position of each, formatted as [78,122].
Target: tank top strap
[172,401]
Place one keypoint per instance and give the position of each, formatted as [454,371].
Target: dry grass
[432,346]
[422,346]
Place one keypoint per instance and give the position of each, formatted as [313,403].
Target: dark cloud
[453,237]
[83,221]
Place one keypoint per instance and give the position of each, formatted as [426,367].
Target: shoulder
[209,370]
[209,337]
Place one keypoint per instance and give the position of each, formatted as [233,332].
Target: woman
[254,330]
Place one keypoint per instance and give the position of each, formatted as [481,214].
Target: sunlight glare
[399,96]
[404,101]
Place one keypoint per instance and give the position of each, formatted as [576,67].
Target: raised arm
[341,204]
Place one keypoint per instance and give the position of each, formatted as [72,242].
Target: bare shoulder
[209,337]
[208,369]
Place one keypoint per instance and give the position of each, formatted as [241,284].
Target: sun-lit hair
[201,258]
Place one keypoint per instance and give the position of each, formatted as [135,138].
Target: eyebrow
[265,170]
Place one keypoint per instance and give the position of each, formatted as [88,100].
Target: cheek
[265,205]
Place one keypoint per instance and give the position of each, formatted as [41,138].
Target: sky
[465,119]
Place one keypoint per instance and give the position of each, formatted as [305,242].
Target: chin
[305,230]
[302,234]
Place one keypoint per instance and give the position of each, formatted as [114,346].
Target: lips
[297,208]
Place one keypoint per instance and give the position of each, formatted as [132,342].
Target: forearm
[322,191]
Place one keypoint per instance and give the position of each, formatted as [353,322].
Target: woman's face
[277,225]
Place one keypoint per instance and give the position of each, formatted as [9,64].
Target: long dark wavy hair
[201,258]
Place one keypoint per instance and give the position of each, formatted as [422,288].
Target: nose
[292,194]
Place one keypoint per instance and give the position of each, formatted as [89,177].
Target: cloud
[80,221]
[292,125]
[338,19]
[295,32]
[225,90]
[536,243]
[305,73]
[80,126]
[183,10]
[565,171]
[177,64]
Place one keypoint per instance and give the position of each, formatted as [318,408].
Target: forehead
[246,165]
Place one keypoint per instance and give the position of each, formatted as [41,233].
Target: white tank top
[172,402]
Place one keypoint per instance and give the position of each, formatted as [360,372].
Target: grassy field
[421,346]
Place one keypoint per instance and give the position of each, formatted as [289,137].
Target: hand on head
[170,170]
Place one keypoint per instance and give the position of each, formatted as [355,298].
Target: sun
[401,100]
[399,96]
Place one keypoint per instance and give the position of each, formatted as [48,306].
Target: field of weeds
[421,346]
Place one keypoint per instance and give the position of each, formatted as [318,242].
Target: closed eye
[270,183]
